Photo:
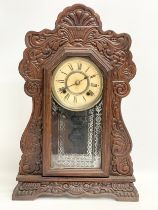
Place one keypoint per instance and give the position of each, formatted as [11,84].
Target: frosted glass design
[76,137]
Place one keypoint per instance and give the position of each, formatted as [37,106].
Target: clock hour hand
[63,89]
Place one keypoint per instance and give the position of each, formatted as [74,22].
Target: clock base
[119,188]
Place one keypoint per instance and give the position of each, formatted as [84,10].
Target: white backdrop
[139,19]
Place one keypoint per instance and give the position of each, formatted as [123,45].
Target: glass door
[76,142]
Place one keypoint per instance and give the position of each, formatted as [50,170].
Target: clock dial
[77,84]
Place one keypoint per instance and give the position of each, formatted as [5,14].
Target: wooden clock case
[78,32]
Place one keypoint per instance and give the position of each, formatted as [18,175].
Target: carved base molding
[120,191]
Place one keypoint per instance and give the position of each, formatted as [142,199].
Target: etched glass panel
[77,138]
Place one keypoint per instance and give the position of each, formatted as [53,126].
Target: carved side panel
[76,26]
[121,143]
[31,160]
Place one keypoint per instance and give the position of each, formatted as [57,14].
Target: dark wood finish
[78,32]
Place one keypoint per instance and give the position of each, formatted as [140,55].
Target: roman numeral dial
[77,84]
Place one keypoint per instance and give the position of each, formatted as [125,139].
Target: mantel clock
[76,143]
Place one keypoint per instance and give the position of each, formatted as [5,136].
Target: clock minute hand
[77,82]
[83,78]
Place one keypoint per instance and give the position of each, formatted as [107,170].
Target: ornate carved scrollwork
[121,88]
[113,47]
[31,160]
[32,87]
[73,30]
[121,144]
[120,191]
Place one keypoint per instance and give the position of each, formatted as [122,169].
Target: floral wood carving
[76,26]
[120,191]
